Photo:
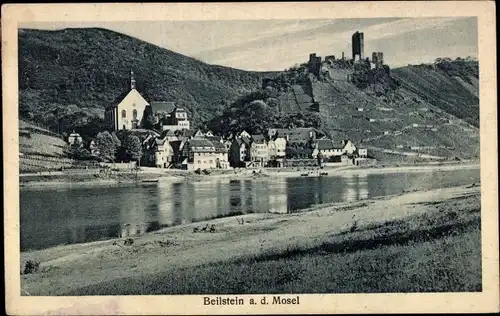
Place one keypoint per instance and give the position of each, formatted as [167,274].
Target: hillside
[414,112]
[40,149]
[88,68]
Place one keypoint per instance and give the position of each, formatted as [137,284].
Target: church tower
[132,80]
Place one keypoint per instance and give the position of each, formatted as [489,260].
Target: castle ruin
[358,46]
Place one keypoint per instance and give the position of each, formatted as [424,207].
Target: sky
[268,45]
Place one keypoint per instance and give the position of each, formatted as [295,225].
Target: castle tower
[358,45]
[132,80]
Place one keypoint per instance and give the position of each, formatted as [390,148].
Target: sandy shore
[180,176]
[67,268]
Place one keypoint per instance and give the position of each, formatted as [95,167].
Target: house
[201,154]
[74,139]
[244,134]
[177,119]
[327,148]
[163,153]
[160,109]
[259,151]
[222,160]
[239,152]
[362,152]
[277,147]
[348,147]
[170,135]
[294,135]
[127,110]
[156,151]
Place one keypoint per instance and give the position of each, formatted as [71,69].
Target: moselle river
[54,216]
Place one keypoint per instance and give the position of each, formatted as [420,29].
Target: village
[168,141]
[174,145]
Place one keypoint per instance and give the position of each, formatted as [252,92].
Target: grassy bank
[437,251]
[425,241]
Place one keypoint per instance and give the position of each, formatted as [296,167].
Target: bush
[31,266]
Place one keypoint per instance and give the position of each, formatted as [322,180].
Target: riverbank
[418,241]
[60,179]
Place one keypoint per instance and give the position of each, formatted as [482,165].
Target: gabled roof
[219,147]
[162,106]
[118,99]
[176,144]
[201,145]
[258,139]
[325,144]
[295,134]
[200,142]
[246,140]
[242,140]
[167,132]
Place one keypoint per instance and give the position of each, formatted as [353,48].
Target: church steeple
[132,80]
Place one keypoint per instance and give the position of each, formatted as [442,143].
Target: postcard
[250,158]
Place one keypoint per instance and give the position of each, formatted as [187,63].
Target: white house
[348,147]
[259,151]
[74,138]
[202,154]
[362,152]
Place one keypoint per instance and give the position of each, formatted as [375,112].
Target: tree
[133,148]
[105,146]
[116,141]
[78,152]
[148,120]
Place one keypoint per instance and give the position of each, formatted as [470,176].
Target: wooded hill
[87,68]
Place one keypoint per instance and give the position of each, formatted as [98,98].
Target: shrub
[31,266]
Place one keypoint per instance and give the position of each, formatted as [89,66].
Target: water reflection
[51,217]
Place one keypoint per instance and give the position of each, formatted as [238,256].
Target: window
[134,114]
[124,114]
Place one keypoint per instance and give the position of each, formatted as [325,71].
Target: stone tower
[358,45]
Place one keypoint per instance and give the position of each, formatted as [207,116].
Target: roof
[162,106]
[200,142]
[246,140]
[242,140]
[295,134]
[167,132]
[118,99]
[159,141]
[325,144]
[258,138]
[176,144]
[219,147]
[214,138]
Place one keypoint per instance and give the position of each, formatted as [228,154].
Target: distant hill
[88,68]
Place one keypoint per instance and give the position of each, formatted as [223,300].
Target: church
[128,111]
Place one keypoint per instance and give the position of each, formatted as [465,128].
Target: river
[54,216]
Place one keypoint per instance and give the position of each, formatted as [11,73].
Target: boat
[323,174]
[150,180]
[304,175]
